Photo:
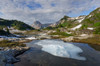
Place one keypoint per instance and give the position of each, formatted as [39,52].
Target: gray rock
[8,55]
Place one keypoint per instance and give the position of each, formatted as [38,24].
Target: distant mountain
[39,25]
[15,24]
[46,25]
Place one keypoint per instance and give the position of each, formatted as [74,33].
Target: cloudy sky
[45,11]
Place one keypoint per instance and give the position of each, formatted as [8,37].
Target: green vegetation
[61,34]
[65,18]
[84,26]
[15,24]
[32,32]
[50,28]
[6,43]
[94,20]
[97,30]
[66,23]
[97,24]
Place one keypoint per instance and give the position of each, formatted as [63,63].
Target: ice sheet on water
[61,49]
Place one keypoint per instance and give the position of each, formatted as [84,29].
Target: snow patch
[77,27]
[30,38]
[61,49]
[90,16]
[68,32]
[90,28]
[83,35]
[80,20]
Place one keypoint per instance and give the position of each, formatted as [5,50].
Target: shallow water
[59,53]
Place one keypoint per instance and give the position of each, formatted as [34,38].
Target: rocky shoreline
[8,55]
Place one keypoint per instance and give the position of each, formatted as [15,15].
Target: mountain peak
[37,22]
[37,25]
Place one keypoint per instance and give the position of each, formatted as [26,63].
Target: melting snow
[90,16]
[90,28]
[30,38]
[77,27]
[83,35]
[61,49]
[80,20]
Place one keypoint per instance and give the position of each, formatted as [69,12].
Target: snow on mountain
[90,28]
[61,49]
[30,38]
[80,20]
[89,16]
[77,27]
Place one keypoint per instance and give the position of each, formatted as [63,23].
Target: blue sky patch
[1,13]
[34,5]
[52,4]
[88,11]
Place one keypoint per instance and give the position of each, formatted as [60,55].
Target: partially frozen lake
[59,53]
[61,49]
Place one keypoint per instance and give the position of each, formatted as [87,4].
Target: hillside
[92,21]
[78,25]
[14,24]
[5,33]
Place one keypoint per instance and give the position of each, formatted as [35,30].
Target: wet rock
[8,55]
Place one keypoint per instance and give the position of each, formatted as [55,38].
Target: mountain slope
[82,24]
[92,21]
[5,33]
[68,22]
[14,24]
[93,18]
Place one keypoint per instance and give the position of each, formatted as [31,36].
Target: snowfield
[61,49]
[77,27]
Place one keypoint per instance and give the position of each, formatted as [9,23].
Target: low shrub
[6,43]
[63,34]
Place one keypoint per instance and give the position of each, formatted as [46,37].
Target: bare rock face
[37,25]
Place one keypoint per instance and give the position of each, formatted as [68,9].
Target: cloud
[45,11]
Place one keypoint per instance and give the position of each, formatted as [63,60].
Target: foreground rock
[8,55]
